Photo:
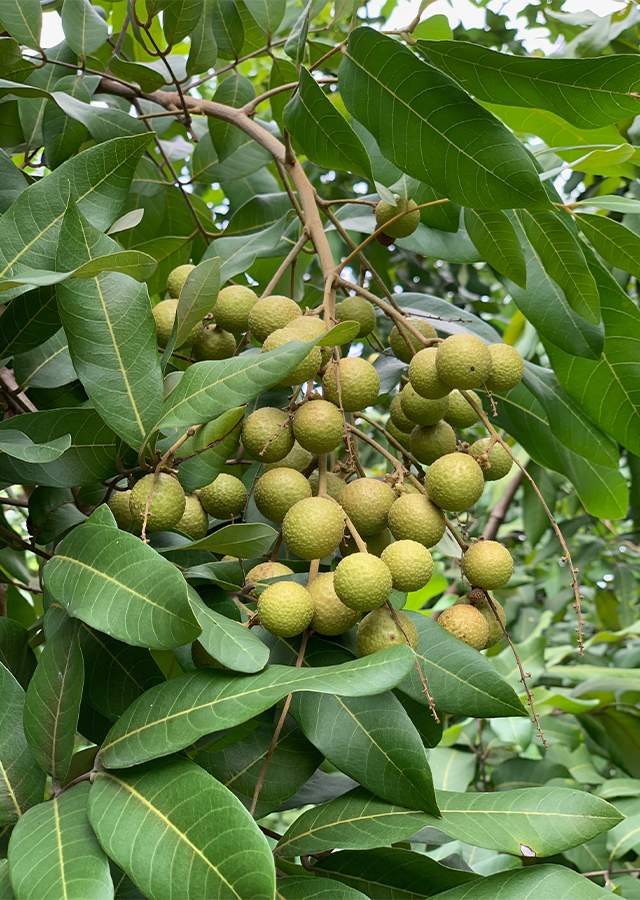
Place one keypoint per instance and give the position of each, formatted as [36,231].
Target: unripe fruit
[401,436]
[119,504]
[306,328]
[335,484]
[313,528]
[330,615]
[285,608]
[357,309]
[375,543]
[460,413]
[270,314]
[167,501]
[487,565]
[233,306]
[410,564]
[398,417]
[401,227]
[507,367]
[359,384]
[379,631]
[466,624]
[463,361]
[318,426]
[367,503]
[399,345]
[362,581]
[499,460]
[194,521]
[260,573]
[297,458]
[413,517]
[424,377]
[224,497]
[164,314]
[454,482]
[177,278]
[420,410]
[214,343]
[483,606]
[430,442]
[277,491]
[306,368]
[271,426]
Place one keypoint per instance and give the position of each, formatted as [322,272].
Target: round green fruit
[463,361]
[285,608]
[454,482]
[214,343]
[164,314]
[379,631]
[318,426]
[375,543]
[119,504]
[487,565]
[413,517]
[233,307]
[430,442]
[307,368]
[400,436]
[398,344]
[401,227]
[483,606]
[306,328]
[357,309]
[330,616]
[398,417]
[460,413]
[271,313]
[194,521]
[359,384]
[335,484]
[167,501]
[267,434]
[424,377]
[466,624]
[177,278]
[260,573]
[226,496]
[277,491]
[362,581]
[507,367]
[420,410]
[297,458]
[367,502]
[498,464]
[410,564]
[313,528]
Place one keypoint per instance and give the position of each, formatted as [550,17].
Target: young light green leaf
[133,263]
[245,540]
[494,237]
[227,641]
[23,20]
[610,202]
[19,446]
[129,220]
[198,296]
[615,243]
[542,882]
[84,29]
[21,779]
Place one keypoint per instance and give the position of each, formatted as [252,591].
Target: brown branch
[287,261]
[501,508]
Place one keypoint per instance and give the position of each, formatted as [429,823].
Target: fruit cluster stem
[422,676]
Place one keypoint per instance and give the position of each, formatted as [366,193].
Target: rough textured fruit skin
[420,410]
[413,517]
[359,384]
[460,413]
[376,543]
[167,501]
[499,460]
[402,437]
[233,306]
[318,426]
[454,482]
[398,417]
[335,484]
[430,442]
[285,608]
[214,343]
[306,368]
[367,502]
[507,367]
[495,629]
[379,631]
[463,361]
[362,581]
[410,564]
[194,521]
[260,573]
[424,377]
[118,503]
[401,227]
[277,491]
[165,313]
[177,278]
[313,528]
[297,458]
[224,497]
[330,615]
[467,624]
[306,328]
[260,427]
[357,309]
[399,345]
[270,314]
[488,565]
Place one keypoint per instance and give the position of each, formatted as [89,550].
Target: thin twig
[421,675]
[291,257]
[499,511]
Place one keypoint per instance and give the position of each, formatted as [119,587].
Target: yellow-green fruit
[224,497]
[165,313]
[357,309]
[401,227]
[307,368]
[487,565]
[194,521]
[463,361]
[376,543]
[460,413]
[410,564]
[270,314]
[367,502]
[285,608]
[401,436]
[313,528]
[177,278]
[379,631]
[424,377]
[359,384]
[413,517]
[318,426]
[260,573]
[233,306]
[277,491]
[362,581]
[466,624]
[507,367]
[271,426]
[495,628]
[297,458]
[330,615]
[306,328]
[430,442]
[420,410]
[499,460]
[335,484]
[167,501]
[119,504]
[398,417]
[399,345]
[454,482]
[214,343]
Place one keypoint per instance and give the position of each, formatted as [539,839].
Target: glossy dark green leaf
[227,641]
[204,468]
[179,19]
[246,540]
[84,29]
[296,887]
[296,42]
[13,182]
[542,882]
[21,779]
[29,321]
[203,50]
[15,653]
[23,20]
[494,237]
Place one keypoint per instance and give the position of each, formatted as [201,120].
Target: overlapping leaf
[21,779]
[494,237]
[542,882]
[227,641]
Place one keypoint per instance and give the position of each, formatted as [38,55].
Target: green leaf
[295,44]
[541,882]
[84,29]
[443,216]
[245,540]
[295,887]
[587,92]
[494,237]
[15,653]
[21,447]
[203,50]
[198,296]
[53,852]
[146,76]
[63,136]
[282,72]
[407,105]
[10,52]
[114,582]
[205,843]
[179,19]
[611,202]
[227,28]
[238,253]
[192,705]
[13,181]
[102,124]
[21,779]
[229,642]
[616,244]
[5,884]
[325,136]
[23,20]
[234,91]
[204,468]
[267,13]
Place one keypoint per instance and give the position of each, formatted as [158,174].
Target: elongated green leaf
[228,641]
[295,887]
[21,447]
[244,541]
[28,321]
[203,50]
[102,124]
[267,13]
[15,653]
[616,244]
[295,45]
[228,28]
[21,779]
[494,237]
[62,135]
[180,19]
[235,91]
[6,893]
[53,852]
[84,29]
[238,252]
[204,468]
[198,296]
[114,582]
[23,20]
[541,882]
[48,365]
[16,89]
[13,181]
[408,105]
[205,844]
[192,705]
